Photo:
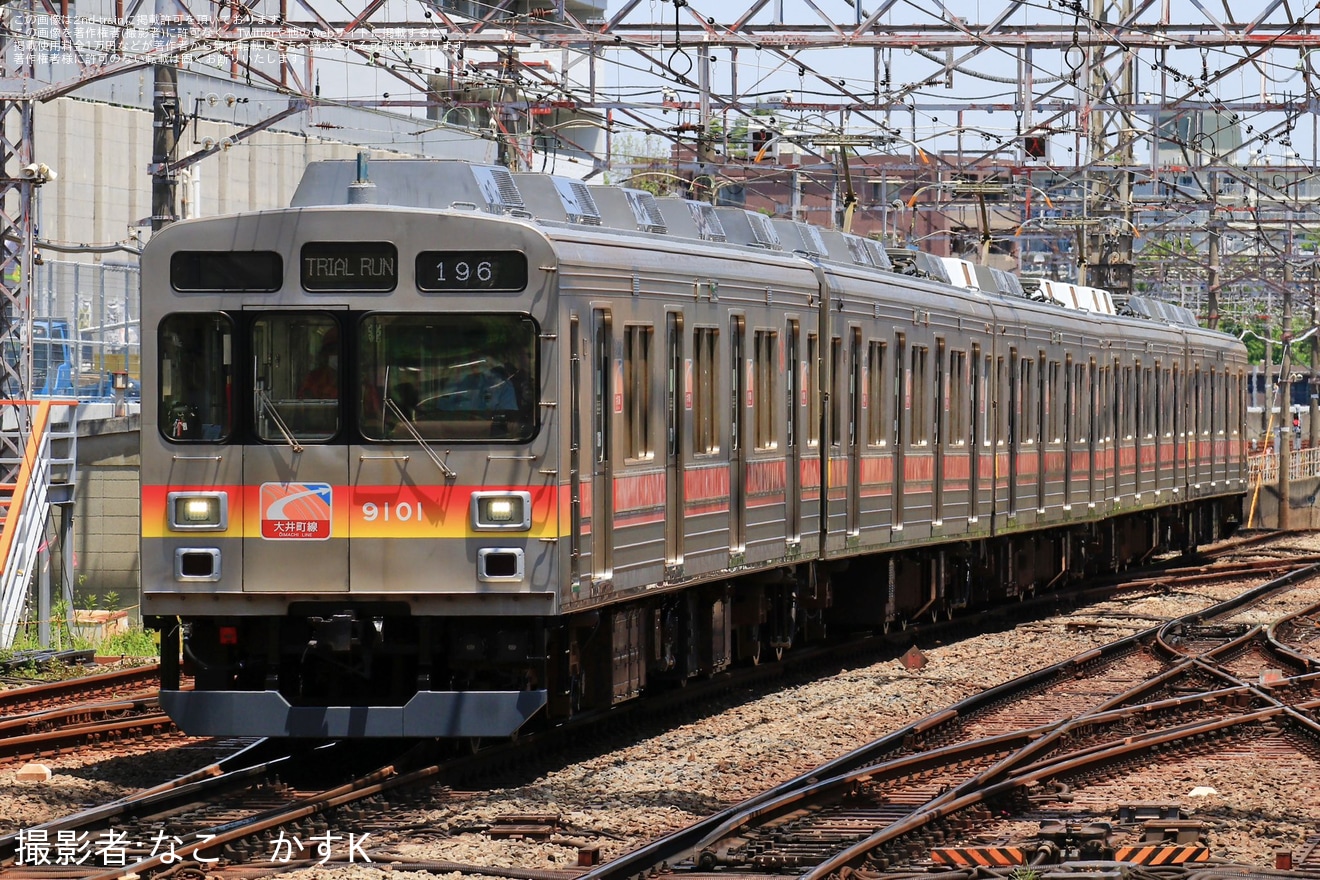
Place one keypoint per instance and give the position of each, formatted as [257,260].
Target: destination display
[441,271]
[221,271]
[349,265]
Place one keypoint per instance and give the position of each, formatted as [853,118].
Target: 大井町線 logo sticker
[296,511]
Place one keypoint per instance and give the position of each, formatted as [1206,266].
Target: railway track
[929,794]
[1142,684]
[122,683]
[108,710]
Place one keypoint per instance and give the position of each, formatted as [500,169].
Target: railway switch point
[1139,812]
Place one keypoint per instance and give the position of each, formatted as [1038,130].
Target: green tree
[637,160]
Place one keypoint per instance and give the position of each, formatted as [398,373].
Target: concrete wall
[103,192]
[1302,510]
[105,524]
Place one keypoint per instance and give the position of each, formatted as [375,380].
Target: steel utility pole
[164,133]
[1287,437]
[17,186]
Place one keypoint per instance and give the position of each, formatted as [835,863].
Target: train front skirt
[426,714]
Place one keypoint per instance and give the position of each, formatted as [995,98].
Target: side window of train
[196,373]
[766,395]
[921,393]
[875,377]
[637,344]
[1001,402]
[1068,402]
[813,390]
[1054,404]
[1197,401]
[1148,400]
[1158,399]
[1215,407]
[705,422]
[1129,404]
[1043,389]
[297,382]
[1026,432]
[958,386]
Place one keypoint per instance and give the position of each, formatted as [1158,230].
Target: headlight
[198,511]
[502,511]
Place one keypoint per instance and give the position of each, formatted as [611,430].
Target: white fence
[1302,463]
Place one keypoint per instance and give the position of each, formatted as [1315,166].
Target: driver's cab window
[196,377]
[447,377]
[297,379]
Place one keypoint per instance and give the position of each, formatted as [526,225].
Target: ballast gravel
[618,801]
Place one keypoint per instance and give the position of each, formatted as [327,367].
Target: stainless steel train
[441,450]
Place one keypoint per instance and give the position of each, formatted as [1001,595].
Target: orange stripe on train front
[365,511]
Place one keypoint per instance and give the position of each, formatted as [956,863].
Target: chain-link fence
[85,328]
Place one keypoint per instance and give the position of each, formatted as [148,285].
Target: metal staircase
[45,473]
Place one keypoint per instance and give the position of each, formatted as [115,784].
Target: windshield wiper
[266,405]
[408,425]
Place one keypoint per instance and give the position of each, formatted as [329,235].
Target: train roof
[456,184]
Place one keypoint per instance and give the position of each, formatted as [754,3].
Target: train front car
[348,471]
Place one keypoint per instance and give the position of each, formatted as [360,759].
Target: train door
[812,390]
[1014,427]
[739,367]
[1138,419]
[1179,422]
[902,385]
[674,409]
[833,468]
[793,453]
[998,438]
[1157,428]
[1045,373]
[1197,427]
[854,429]
[1103,434]
[1069,427]
[1115,425]
[299,462]
[1093,430]
[939,440]
[604,396]
[977,437]
[577,540]
[1215,419]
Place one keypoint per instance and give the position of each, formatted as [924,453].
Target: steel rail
[690,841]
[144,676]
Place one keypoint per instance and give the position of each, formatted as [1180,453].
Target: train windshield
[295,376]
[452,377]
[196,377]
